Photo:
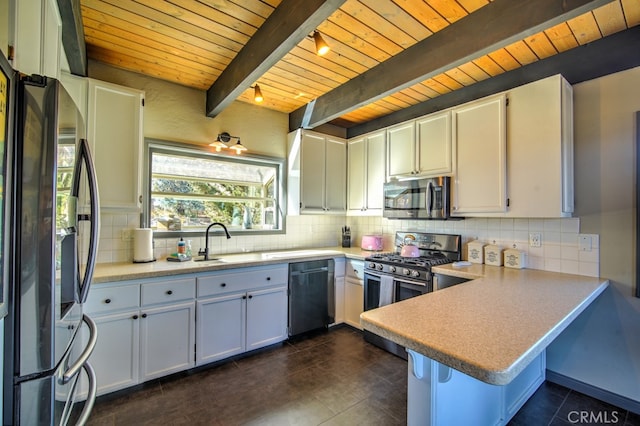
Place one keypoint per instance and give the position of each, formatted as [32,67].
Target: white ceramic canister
[475,251]
[514,258]
[493,255]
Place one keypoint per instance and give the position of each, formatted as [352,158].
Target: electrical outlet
[535,239]
[127,235]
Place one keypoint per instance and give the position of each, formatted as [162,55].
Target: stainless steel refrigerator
[51,230]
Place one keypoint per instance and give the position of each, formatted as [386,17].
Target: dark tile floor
[331,378]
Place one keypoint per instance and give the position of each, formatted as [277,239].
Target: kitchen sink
[294,253]
[249,257]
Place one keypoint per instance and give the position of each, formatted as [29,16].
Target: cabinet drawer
[168,291]
[355,269]
[241,281]
[113,298]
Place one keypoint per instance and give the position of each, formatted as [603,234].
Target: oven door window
[406,290]
[371,291]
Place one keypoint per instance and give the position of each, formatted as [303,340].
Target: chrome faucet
[205,252]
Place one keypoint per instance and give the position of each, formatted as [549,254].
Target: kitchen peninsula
[481,344]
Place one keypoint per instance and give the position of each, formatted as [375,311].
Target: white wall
[4,27]
[602,347]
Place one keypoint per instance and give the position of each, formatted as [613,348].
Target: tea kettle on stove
[408,249]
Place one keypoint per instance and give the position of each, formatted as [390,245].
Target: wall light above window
[221,143]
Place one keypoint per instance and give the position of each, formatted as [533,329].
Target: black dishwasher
[311,295]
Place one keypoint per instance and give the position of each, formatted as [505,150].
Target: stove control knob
[406,271]
[380,267]
[415,274]
[392,269]
[372,265]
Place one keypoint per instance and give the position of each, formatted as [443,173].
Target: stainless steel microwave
[427,198]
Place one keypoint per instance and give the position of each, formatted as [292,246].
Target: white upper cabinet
[540,149]
[36,37]
[401,150]
[433,140]
[115,131]
[366,174]
[479,135]
[317,173]
[421,148]
[539,153]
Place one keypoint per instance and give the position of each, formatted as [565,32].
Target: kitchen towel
[386,290]
[143,245]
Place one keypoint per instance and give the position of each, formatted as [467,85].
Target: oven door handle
[419,283]
[372,275]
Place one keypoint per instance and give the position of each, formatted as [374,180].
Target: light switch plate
[584,242]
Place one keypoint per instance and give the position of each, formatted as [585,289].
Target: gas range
[414,267]
[391,278]
[434,249]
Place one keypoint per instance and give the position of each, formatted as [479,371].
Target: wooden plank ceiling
[191,42]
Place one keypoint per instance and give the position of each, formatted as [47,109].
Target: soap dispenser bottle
[182,248]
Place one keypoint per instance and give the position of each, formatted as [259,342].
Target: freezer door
[52,399]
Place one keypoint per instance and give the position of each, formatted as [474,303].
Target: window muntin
[190,188]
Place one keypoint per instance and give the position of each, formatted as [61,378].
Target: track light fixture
[221,143]
[257,94]
[321,46]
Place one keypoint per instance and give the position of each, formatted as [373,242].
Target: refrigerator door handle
[82,359]
[91,397]
[84,157]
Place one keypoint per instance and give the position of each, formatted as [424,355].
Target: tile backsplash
[559,251]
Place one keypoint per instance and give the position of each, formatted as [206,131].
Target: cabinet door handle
[107,301]
[169,292]
[144,315]
[135,317]
[244,297]
[250,296]
[223,285]
[268,278]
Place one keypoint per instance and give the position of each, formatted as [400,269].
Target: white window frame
[198,151]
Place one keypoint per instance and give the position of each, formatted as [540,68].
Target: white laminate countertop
[491,327]
[110,272]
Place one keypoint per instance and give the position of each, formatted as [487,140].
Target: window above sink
[188,188]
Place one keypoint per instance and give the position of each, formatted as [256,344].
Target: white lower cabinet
[166,340]
[354,292]
[144,330]
[221,327]
[116,357]
[266,317]
[239,311]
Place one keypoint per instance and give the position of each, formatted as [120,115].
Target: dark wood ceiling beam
[492,27]
[288,24]
[73,36]
[615,53]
